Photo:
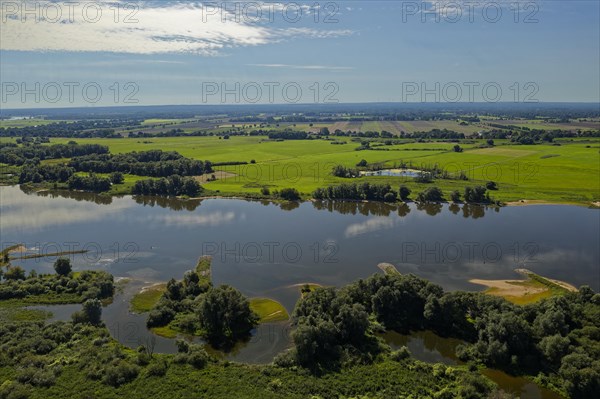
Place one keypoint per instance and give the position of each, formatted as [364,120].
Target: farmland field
[546,172]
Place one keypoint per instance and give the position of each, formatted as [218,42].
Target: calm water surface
[266,249]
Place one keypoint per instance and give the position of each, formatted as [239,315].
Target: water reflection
[429,347]
[100,199]
[172,203]
[362,208]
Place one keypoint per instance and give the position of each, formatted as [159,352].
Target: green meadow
[565,173]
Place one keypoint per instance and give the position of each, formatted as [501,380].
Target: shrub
[455,196]
[400,354]
[491,185]
[390,197]
[431,194]
[158,368]
[404,193]
[424,177]
[476,194]
[289,194]
[120,373]
[117,178]
[160,316]
[265,191]
[197,356]
[14,273]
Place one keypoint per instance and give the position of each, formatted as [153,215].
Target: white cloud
[371,225]
[211,219]
[180,27]
[315,67]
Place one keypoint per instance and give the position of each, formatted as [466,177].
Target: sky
[90,54]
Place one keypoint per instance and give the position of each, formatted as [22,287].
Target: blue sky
[184,53]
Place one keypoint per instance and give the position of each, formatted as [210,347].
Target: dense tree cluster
[91,182]
[35,153]
[477,194]
[225,315]
[288,135]
[171,186]
[47,172]
[288,194]
[155,163]
[438,134]
[56,287]
[342,171]
[352,191]
[222,315]
[81,128]
[557,337]
[431,194]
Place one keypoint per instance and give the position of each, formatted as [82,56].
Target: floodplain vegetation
[336,332]
[517,164]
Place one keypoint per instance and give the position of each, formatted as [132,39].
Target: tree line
[14,155]
[155,163]
[174,185]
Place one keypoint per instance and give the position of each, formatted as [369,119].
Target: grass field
[524,292]
[567,173]
[147,298]
[268,310]
[6,123]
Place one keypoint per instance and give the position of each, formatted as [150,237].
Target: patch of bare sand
[525,202]
[20,248]
[512,288]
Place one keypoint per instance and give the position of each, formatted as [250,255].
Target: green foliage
[90,313]
[431,194]
[289,194]
[59,289]
[404,193]
[363,191]
[225,316]
[342,171]
[117,178]
[14,273]
[62,266]
[173,185]
[455,196]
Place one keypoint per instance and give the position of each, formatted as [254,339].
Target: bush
[431,194]
[389,197]
[91,313]
[491,185]
[160,316]
[265,191]
[289,194]
[14,273]
[120,373]
[117,178]
[424,177]
[455,196]
[476,194]
[404,193]
[197,356]
[400,354]
[158,368]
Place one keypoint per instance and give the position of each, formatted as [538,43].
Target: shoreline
[253,197]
